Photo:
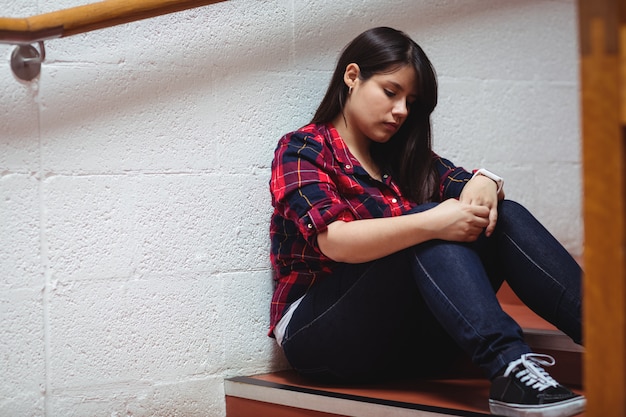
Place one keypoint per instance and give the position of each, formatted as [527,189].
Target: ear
[351,75]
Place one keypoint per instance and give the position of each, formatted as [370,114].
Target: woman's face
[378,106]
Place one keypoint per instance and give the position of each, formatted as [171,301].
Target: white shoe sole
[567,408]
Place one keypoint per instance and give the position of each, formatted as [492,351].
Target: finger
[475,234]
[493,219]
[481,211]
[478,225]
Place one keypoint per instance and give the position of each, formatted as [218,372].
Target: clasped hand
[475,211]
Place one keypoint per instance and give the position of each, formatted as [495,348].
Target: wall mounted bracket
[26,61]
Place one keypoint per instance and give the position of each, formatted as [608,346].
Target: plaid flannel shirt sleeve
[452,179]
[302,187]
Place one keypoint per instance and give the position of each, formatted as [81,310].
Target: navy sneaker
[527,390]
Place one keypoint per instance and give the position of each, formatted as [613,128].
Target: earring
[349,90]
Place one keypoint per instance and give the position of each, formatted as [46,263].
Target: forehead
[403,77]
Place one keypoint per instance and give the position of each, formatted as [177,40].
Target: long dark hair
[408,154]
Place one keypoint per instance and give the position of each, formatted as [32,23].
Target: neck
[358,145]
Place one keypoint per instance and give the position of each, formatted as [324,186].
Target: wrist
[495,178]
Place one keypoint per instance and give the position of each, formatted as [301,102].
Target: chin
[382,139]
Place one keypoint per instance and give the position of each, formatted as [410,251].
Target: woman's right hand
[364,240]
[456,221]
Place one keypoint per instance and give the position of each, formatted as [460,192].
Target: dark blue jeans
[423,310]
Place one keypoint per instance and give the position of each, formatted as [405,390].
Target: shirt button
[348,166]
[310,226]
[393,200]
[385,176]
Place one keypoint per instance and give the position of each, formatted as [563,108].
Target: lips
[392,126]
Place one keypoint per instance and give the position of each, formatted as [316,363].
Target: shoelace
[532,374]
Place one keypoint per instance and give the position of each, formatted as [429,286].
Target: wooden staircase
[285,394]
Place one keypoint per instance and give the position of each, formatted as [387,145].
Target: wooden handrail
[89,17]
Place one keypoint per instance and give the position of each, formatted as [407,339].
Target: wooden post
[603,80]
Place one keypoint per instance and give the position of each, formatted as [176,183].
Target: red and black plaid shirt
[315,181]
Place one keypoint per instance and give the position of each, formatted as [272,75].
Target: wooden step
[287,394]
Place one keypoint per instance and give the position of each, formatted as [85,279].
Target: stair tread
[463,397]
[413,397]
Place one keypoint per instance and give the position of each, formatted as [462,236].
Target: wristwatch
[498,180]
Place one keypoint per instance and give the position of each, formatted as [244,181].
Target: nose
[400,109]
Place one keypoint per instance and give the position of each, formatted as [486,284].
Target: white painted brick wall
[134,208]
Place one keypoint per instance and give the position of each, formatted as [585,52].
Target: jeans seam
[555,311]
[546,273]
[446,298]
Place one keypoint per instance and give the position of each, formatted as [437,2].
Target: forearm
[365,240]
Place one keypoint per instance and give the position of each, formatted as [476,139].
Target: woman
[387,257]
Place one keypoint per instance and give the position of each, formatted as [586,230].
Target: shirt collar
[340,149]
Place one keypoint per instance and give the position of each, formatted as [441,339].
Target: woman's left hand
[482,191]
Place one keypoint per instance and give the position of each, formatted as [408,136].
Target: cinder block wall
[134,208]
